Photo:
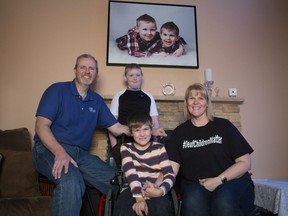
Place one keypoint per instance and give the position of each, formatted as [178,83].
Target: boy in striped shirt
[147,170]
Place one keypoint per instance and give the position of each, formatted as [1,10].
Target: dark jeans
[235,197]
[92,171]
[156,206]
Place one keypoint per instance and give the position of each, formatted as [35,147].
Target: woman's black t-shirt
[206,151]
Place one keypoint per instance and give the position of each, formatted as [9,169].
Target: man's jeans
[70,188]
[235,197]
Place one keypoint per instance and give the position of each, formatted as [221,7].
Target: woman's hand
[241,166]
[210,183]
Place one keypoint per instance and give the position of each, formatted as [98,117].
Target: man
[66,119]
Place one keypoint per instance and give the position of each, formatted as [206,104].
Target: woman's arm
[175,167]
[241,166]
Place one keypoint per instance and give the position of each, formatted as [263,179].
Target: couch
[19,181]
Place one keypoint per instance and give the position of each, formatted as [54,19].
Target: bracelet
[223,178]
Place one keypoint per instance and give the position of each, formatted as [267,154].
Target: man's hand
[62,160]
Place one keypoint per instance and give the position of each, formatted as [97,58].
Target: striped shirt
[140,166]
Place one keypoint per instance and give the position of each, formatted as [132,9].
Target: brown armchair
[19,181]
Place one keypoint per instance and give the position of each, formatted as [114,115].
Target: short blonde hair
[203,91]
[131,66]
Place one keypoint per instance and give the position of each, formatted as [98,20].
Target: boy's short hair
[138,119]
[171,26]
[145,18]
[131,66]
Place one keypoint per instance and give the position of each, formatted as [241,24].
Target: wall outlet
[232,92]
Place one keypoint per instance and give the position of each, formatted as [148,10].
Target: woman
[214,159]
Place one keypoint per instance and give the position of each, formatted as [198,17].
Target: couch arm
[46,186]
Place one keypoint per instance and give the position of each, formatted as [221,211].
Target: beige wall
[244,42]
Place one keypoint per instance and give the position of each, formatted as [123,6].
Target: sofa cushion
[18,139]
[18,177]
[28,206]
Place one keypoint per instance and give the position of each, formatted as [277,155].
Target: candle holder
[208,85]
[216,90]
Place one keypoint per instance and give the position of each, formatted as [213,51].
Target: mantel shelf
[237,100]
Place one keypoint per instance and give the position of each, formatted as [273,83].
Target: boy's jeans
[67,197]
[156,206]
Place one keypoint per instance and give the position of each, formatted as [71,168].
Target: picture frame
[122,16]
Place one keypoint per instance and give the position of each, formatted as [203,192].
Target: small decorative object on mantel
[168,89]
[208,80]
[216,90]
[232,92]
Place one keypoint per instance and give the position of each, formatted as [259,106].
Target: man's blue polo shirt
[73,120]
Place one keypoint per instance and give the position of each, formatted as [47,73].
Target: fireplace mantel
[172,112]
[237,100]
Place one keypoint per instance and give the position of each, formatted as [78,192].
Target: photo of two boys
[134,35]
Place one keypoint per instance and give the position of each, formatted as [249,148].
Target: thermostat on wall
[232,92]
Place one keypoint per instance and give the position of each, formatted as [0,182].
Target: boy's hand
[179,51]
[151,190]
[140,207]
[159,179]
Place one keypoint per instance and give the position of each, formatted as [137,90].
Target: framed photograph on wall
[152,35]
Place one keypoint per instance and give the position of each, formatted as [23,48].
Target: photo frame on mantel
[122,18]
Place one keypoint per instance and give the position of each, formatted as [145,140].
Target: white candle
[208,74]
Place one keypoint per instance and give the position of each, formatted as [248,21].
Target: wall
[244,42]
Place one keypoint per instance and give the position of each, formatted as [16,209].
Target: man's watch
[223,178]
